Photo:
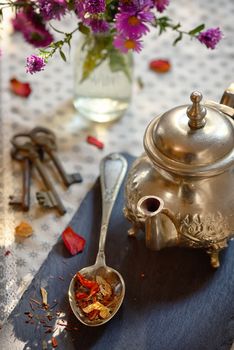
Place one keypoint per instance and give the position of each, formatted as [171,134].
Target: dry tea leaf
[23,230]
[105,287]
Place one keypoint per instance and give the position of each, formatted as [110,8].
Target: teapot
[181,190]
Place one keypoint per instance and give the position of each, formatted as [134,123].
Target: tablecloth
[50,104]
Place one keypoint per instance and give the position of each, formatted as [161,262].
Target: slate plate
[174,299]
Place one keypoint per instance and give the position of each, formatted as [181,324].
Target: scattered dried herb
[73,242]
[46,316]
[44,296]
[19,88]
[93,141]
[160,66]
[23,230]
[54,342]
[95,297]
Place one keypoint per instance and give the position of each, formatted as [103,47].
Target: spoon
[112,171]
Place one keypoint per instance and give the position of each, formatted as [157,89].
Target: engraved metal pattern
[204,230]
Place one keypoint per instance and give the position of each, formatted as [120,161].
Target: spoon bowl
[112,171]
[117,284]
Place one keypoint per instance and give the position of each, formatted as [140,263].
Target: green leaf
[177,26]
[63,55]
[83,29]
[197,30]
[180,36]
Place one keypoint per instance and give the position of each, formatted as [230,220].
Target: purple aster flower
[19,22]
[135,5]
[35,64]
[125,44]
[52,9]
[161,4]
[210,37]
[132,16]
[95,6]
[132,25]
[80,8]
[98,25]
[38,37]
[26,18]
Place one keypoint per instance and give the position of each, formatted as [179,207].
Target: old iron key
[45,139]
[24,200]
[49,198]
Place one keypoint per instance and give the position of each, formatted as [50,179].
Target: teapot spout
[160,225]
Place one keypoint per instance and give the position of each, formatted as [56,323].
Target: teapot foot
[214,258]
[133,230]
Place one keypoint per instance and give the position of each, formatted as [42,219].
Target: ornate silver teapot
[181,190]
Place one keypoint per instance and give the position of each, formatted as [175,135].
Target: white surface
[50,104]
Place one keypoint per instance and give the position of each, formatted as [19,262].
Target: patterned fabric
[50,104]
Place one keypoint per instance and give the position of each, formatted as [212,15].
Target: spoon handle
[112,171]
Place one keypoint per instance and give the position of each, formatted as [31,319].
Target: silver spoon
[112,171]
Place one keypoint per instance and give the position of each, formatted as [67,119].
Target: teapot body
[201,209]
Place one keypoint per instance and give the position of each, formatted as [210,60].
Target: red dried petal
[81,295]
[73,242]
[160,66]
[85,282]
[19,88]
[93,141]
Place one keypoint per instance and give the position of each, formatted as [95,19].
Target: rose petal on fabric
[160,66]
[19,88]
[93,141]
[73,242]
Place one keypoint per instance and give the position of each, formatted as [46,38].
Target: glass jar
[103,79]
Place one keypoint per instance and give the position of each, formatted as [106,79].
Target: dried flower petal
[19,88]
[160,66]
[93,141]
[104,311]
[23,230]
[73,242]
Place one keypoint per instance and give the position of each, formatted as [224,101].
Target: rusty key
[27,150]
[22,201]
[46,139]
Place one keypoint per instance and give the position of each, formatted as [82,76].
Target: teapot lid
[193,140]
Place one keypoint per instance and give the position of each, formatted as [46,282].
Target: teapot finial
[196,112]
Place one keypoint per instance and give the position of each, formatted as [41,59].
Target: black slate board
[180,303]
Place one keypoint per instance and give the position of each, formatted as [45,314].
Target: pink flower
[210,37]
[125,44]
[35,64]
